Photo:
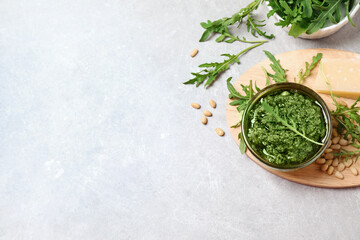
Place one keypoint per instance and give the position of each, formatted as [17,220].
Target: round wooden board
[293,61]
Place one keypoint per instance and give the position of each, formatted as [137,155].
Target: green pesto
[277,143]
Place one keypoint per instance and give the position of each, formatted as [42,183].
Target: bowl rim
[341,23]
[288,86]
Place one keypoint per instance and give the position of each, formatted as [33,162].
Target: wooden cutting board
[293,61]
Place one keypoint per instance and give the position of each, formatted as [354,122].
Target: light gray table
[98,140]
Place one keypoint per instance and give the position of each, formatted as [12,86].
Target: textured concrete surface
[97,139]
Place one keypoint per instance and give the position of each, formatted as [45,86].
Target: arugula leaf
[241,101]
[315,60]
[347,7]
[279,72]
[307,8]
[220,26]
[211,71]
[253,26]
[242,145]
[268,108]
[320,21]
[266,76]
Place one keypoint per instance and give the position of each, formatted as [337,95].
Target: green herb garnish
[279,72]
[211,71]
[309,67]
[221,26]
[241,101]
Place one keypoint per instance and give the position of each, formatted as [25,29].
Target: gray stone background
[98,140]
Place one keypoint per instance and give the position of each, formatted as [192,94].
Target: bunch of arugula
[309,16]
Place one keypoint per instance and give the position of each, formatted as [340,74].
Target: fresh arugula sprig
[211,71]
[220,26]
[279,72]
[349,122]
[275,114]
[254,25]
[241,101]
[309,67]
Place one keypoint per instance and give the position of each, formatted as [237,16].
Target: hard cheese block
[342,74]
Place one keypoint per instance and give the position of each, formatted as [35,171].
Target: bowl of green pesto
[286,126]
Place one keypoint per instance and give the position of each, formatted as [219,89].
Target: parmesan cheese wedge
[343,75]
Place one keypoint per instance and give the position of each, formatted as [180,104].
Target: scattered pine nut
[335,147]
[324,167]
[341,102]
[348,163]
[207,113]
[212,103]
[354,170]
[329,156]
[204,120]
[335,140]
[194,52]
[343,142]
[335,132]
[341,167]
[330,170]
[195,105]
[220,132]
[335,163]
[329,162]
[339,175]
[328,150]
[320,161]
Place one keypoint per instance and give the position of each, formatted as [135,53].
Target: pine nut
[343,142]
[194,52]
[330,170]
[212,103]
[219,131]
[329,156]
[320,161]
[339,175]
[335,140]
[207,113]
[335,132]
[324,167]
[335,163]
[348,162]
[335,146]
[329,162]
[195,105]
[341,102]
[354,170]
[328,150]
[341,167]
[204,120]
